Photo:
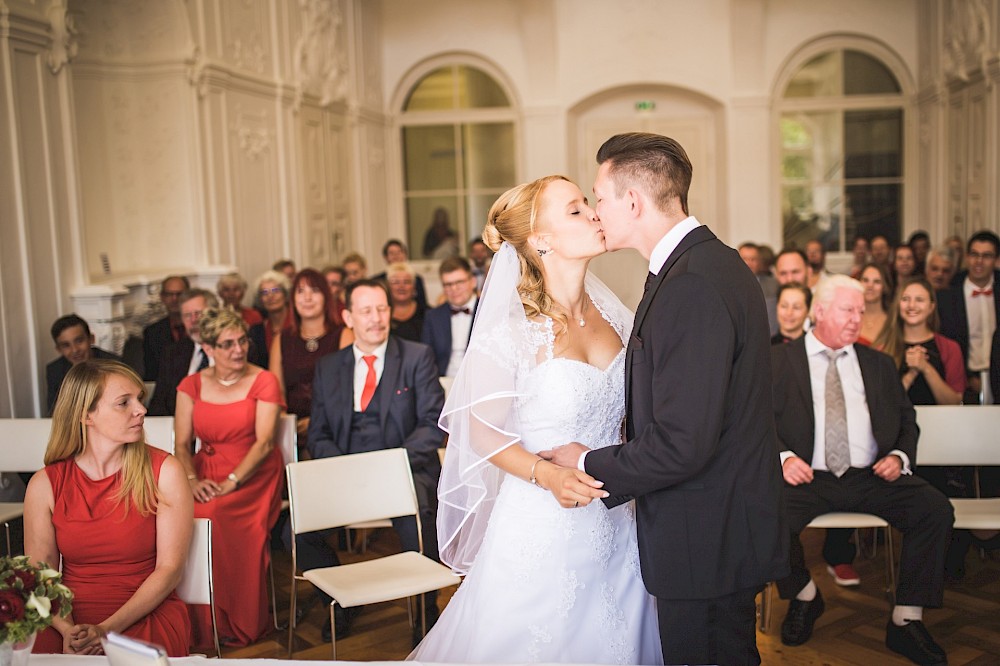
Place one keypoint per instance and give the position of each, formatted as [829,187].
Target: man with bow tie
[969,308]
[447,327]
[381,392]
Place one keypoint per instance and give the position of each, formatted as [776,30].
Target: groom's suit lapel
[697,235]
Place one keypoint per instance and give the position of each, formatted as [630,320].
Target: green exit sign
[645,105]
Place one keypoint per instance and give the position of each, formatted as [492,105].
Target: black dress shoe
[914,642]
[798,624]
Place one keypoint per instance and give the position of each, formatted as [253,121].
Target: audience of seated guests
[407,319]
[969,309]
[859,252]
[816,257]
[848,439]
[236,476]
[285,267]
[904,266]
[114,513]
[184,356]
[273,300]
[878,298]
[296,351]
[231,289]
[881,251]
[480,257]
[447,327]
[161,333]
[381,392]
[940,267]
[75,344]
[394,252]
[794,300]
[920,244]
[355,268]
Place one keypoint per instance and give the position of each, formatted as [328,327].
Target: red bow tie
[982,292]
[456,311]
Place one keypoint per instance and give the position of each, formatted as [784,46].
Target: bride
[552,575]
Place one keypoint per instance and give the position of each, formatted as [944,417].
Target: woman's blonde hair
[80,392]
[215,321]
[512,218]
[890,340]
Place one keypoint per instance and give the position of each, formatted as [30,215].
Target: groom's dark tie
[649,281]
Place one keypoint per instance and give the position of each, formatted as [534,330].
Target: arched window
[458,156]
[841,135]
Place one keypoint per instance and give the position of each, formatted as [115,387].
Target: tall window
[458,157]
[841,128]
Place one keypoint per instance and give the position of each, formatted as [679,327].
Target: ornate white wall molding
[252,133]
[64,42]
[320,57]
[967,38]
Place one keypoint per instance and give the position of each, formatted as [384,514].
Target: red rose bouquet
[29,596]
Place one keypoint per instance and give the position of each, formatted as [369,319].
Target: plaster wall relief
[968,37]
[246,35]
[320,56]
[338,228]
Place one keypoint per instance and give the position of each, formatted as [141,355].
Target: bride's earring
[542,253]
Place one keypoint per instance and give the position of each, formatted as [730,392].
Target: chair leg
[292,598]
[890,569]
[765,607]
[274,592]
[409,613]
[333,630]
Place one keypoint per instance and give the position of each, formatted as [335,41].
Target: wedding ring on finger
[577,504]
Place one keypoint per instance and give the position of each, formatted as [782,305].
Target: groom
[700,457]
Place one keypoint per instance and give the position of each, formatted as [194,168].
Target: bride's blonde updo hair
[512,218]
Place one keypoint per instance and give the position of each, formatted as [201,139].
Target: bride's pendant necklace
[581,321]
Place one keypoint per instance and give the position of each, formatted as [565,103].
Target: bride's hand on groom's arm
[571,487]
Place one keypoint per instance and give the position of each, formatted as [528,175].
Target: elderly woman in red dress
[117,511]
[235,478]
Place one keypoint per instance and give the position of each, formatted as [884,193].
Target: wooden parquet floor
[850,632]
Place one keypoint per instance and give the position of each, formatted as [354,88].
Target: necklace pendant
[312,345]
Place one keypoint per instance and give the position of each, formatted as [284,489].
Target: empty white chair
[334,492]
[160,432]
[197,585]
[22,449]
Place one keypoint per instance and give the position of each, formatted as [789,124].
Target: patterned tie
[838,452]
[369,389]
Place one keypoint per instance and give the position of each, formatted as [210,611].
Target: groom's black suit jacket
[701,456]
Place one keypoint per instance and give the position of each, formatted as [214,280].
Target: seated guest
[940,267]
[816,256]
[750,254]
[881,251]
[848,438]
[232,288]
[161,333]
[75,344]
[407,320]
[336,279]
[395,252]
[448,326]
[859,251]
[272,300]
[286,267]
[184,356]
[296,350]
[381,392]
[355,268]
[235,478]
[794,300]
[878,299]
[116,511]
[480,257]
[904,265]
[920,245]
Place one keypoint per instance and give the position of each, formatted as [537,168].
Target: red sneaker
[844,574]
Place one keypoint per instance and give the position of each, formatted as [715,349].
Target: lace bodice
[566,400]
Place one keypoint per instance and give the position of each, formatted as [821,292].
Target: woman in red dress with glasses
[235,478]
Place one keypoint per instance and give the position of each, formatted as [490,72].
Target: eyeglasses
[226,345]
[988,256]
[457,283]
[271,292]
[193,316]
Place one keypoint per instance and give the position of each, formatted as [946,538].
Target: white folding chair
[286,438]
[160,432]
[333,492]
[197,586]
[22,450]
[957,435]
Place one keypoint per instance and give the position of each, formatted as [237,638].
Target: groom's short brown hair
[657,163]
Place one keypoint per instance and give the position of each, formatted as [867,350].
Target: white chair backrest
[446,383]
[958,435]
[196,583]
[160,432]
[286,438]
[149,388]
[22,444]
[343,490]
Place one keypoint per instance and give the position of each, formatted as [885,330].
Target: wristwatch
[235,479]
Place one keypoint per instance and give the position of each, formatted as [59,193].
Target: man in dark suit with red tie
[447,328]
[847,436]
[381,392]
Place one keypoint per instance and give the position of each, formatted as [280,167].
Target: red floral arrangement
[29,596]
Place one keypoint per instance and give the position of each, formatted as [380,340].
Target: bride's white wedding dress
[551,584]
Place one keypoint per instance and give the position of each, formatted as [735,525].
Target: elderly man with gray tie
[848,440]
